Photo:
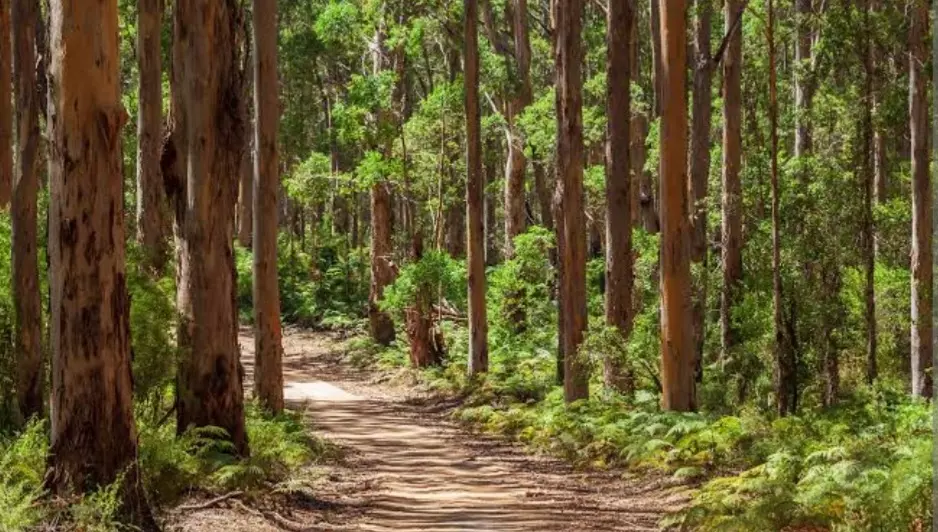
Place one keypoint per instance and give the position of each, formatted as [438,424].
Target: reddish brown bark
[568,55]
[209,133]
[151,207]
[268,348]
[94,438]
[6,109]
[619,267]
[26,299]
[475,182]
[677,346]
[732,187]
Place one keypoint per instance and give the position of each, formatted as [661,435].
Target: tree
[804,82]
[268,349]
[518,49]
[28,329]
[868,184]
[619,267]
[382,270]
[677,346]
[6,110]
[246,183]
[94,439]
[209,136]
[732,187]
[786,392]
[568,56]
[922,342]
[150,209]
[475,183]
[699,169]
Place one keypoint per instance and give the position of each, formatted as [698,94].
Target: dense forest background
[695,240]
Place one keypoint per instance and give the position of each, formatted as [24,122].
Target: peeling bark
[94,437]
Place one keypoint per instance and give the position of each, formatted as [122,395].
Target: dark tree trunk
[619,267]
[568,54]
[732,187]
[27,334]
[6,109]
[475,183]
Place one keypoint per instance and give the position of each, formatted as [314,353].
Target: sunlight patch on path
[316,391]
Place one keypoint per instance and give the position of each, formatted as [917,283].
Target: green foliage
[22,467]
[202,458]
[152,328]
[435,276]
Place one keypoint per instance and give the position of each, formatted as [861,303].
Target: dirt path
[408,468]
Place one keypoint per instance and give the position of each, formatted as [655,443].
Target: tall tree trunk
[568,54]
[699,167]
[804,82]
[26,298]
[246,195]
[699,170]
[657,63]
[475,183]
[209,379]
[677,345]
[517,161]
[732,187]
[94,437]
[150,203]
[867,230]
[619,267]
[268,348]
[544,195]
[786,391]
[922,343]
[6,109]
[382,271]
[245,207]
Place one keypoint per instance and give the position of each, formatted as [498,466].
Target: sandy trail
[414,470]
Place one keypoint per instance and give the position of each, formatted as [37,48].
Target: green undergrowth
[863,465]
[172,466]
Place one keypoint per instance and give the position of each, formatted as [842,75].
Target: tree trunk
[209,379]
[804,82]
[268,348]
[382,271]
[619,267]
[921,204]
[26,297]
[245,207]
[568,54]
[867,229]
[475,183]
[150,203]
[246,196]
[94,437]
[491,204]
[699,171]
[517,161]
[6,110]
[544,195]
[786,391]
[732,187]
[657,70]
[677,346]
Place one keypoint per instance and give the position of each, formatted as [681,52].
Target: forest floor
[404,465]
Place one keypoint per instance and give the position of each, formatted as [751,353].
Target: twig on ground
[213,502]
